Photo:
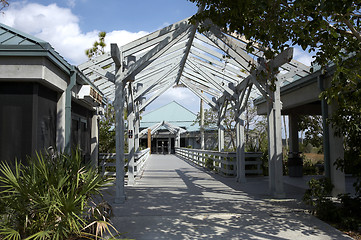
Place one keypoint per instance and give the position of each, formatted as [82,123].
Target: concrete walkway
[175,200]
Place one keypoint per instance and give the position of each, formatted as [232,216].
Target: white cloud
[60,27]
[71,3]
[122,37]
[302,56]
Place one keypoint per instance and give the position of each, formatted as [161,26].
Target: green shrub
[350,212]
[318,197]
[345,215]
[209,164]
[51,198]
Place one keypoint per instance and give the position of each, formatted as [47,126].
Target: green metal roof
[17,43]
[11,36]
[173,113]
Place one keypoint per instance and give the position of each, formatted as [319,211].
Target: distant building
[166,120]
[44,101]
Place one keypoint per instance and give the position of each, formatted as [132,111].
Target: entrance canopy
[166,125]
[214,65]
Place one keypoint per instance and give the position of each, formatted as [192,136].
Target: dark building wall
[27,119]
[81,129]
[46,121]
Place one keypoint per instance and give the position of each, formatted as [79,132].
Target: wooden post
[275,165]
[150,140]
[202,124]
[119,125]
[131,142]
[241,157]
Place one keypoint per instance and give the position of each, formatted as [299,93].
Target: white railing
[222,162]
[107,162]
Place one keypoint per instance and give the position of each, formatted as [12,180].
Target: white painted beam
[171,28]
[156,52]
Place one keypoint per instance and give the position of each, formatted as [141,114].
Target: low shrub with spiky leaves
[49,198]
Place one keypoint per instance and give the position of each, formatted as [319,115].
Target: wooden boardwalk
[175,200]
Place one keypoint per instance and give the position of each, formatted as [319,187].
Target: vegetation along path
[175,200]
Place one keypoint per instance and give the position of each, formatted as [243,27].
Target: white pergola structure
[214,65]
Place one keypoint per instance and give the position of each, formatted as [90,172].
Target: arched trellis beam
[195,82]
[172,53]
[152,39]
[198,78]
[147,88]
[206,49]
[156,52]
[230,47]
[186,51]
[166,86]
[159,67]
[218,72]
[218,64]
[157,79]
[198,93]
[208,77]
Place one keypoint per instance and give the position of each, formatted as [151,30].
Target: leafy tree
[107,122]
[3,4]
[98,47]
[107,130]
[254,126]
[312,125]
[330,29]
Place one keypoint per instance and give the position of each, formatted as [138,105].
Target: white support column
[202,123]
[220,123]
[119,126]
[136,131]
[336,152]
[221,137]
[169,145]
[131,142]
[275,166]
[177,139]
[94,147]
[137,120]
[241,157]
[119,144]
[60,123]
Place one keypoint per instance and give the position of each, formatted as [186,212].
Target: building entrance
[162,146]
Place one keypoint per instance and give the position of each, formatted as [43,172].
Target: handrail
[108,160]
[221,162]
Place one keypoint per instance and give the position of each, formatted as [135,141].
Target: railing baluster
[222,162]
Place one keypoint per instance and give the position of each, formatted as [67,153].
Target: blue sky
[131,15]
